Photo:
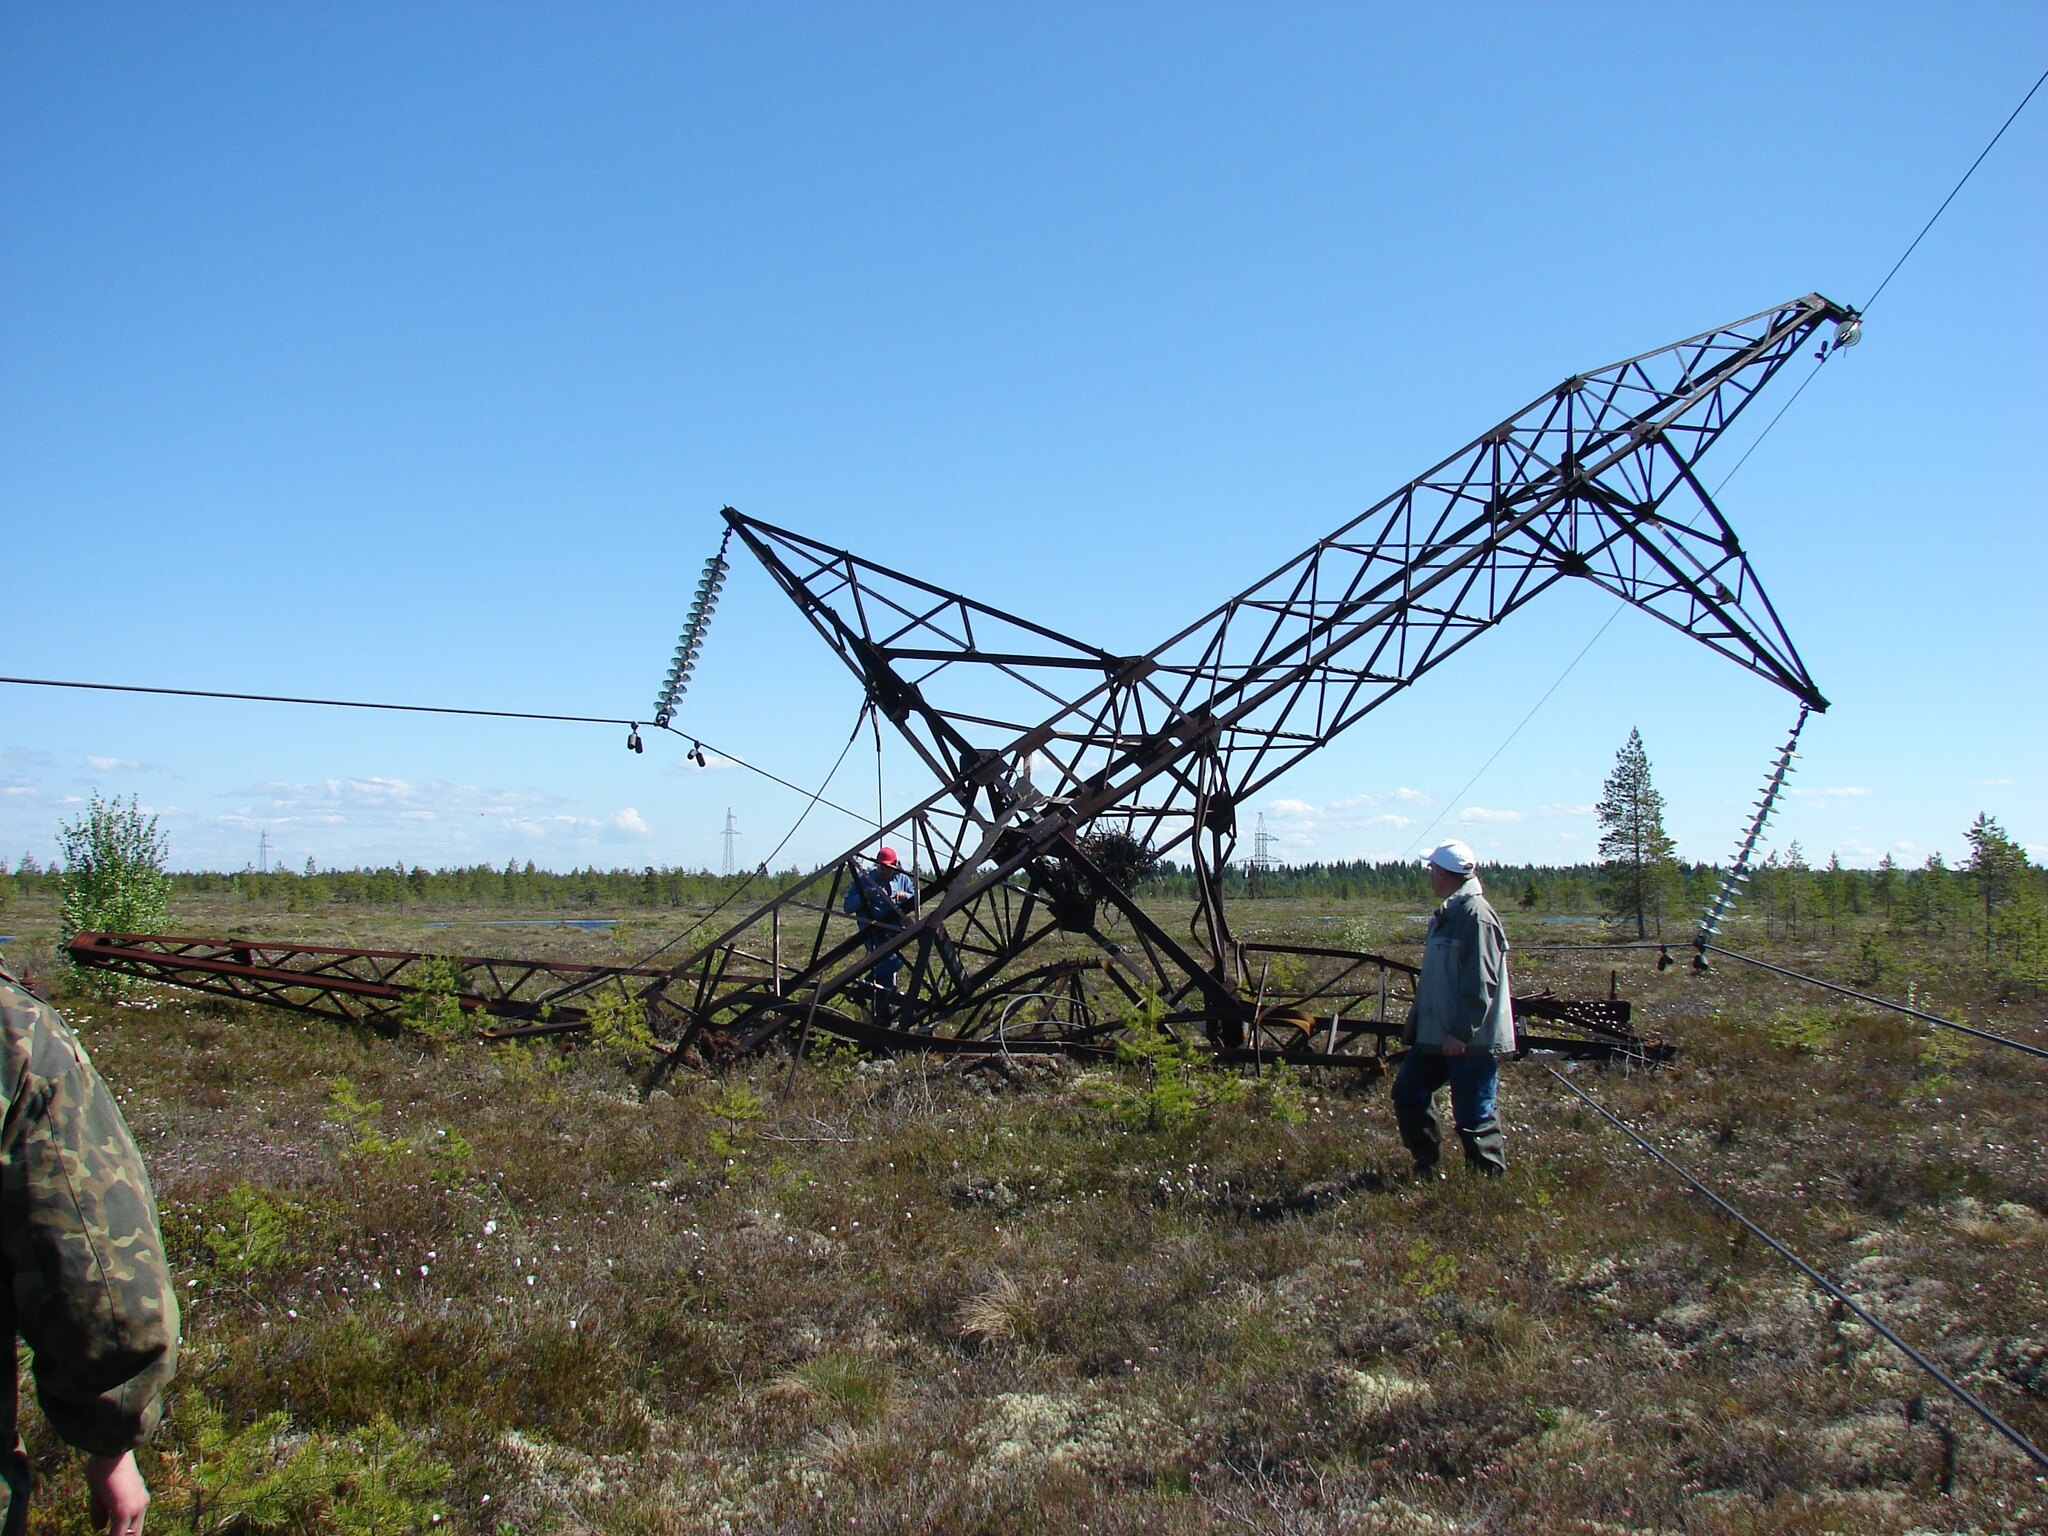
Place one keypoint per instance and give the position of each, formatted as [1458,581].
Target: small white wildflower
[489,1228]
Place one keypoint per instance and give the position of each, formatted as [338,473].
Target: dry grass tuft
[997,1315]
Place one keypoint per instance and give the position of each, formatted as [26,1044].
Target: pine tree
[1793,883]
[1634,851]
[1886,886]
[1997,864]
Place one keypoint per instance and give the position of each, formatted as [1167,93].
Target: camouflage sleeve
[92,1293]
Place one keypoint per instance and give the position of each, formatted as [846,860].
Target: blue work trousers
[1474,1078]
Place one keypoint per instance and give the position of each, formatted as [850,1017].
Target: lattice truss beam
[365,986]
[1035,736]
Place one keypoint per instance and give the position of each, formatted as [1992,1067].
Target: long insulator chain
[1738,870]
[691,641]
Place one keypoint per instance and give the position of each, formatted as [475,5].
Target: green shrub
[1183,1081]
[114,880]
[254,1233]
[432,1009]
[266,1476]
[618,1022]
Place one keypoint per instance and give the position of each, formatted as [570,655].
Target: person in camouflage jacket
[86,1285]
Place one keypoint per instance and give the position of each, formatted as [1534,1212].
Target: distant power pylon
[1261,863]
[263,853]
[730,833]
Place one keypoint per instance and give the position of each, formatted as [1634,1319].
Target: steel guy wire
[1955,1388]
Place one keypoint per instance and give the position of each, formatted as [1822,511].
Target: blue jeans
[1473,1077]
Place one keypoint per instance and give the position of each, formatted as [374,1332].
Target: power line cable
[1880,1002]
[1756,443]
[1509,740]
[2016,111]
[282,698]
[417,709]
[1759,440]
[1955,1388]
[817,798]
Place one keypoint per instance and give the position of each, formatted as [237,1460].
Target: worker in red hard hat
[881,899]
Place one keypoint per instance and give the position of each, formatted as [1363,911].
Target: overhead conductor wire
[1572,665]
[418,709]
[1955,1388]
[1865,997]
[738,891]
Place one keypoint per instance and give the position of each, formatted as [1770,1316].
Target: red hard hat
[886,856]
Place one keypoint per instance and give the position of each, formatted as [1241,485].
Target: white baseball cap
[1454,858]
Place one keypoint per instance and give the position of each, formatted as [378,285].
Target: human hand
[115,1494]
[1453,1046]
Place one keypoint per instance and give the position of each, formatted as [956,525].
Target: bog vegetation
[432,1285]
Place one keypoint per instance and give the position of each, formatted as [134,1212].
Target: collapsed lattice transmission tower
[1596,480]
[1064,769]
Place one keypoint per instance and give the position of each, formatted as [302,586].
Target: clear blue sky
[408,352]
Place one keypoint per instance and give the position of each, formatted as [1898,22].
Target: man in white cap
[1462,1023]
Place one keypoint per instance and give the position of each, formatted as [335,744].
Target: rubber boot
[1420,1135]
[1483,1148]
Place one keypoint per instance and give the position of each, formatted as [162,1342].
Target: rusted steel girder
[362,986]
[1047,1011]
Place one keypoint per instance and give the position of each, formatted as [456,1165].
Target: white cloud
[20,791]
[1479,815]
[1333,830]
[540,827]
[1564,810]
[112,764]
[1834,795]
[1990,783]
[629,822]
[374,801]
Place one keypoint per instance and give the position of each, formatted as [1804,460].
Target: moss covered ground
[493,1289]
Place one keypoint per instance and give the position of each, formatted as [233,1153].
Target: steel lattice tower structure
[1595,481]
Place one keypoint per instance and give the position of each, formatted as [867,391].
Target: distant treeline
[1932,898]
[474,885]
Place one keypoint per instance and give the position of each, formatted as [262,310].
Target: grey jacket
[1463,991]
